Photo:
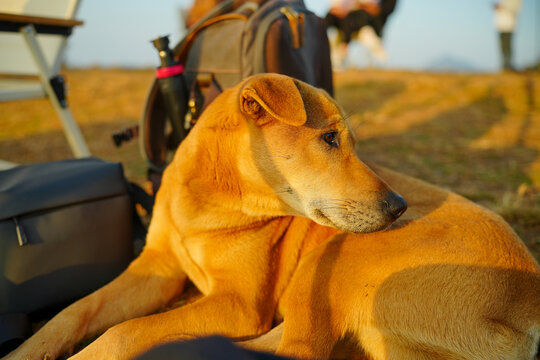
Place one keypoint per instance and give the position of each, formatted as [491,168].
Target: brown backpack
[235,40]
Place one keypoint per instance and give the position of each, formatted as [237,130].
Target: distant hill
[534,67]
[452,64]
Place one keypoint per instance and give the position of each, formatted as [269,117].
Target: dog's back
[449,280]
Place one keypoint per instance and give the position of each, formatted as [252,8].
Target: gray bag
[65,230]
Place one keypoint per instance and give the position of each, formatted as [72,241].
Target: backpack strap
[268,14]
[259,55]
[152,128]
[307,45]
[140,229]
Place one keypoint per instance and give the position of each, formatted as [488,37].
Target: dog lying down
[269,212]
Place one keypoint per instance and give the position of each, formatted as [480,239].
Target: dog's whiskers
[341,202]
[288,190]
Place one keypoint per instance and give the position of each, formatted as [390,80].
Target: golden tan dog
[268,175]
[448,280]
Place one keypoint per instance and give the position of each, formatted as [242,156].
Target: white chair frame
[42,59]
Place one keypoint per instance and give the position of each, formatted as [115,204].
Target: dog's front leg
[149,282]
[224,314]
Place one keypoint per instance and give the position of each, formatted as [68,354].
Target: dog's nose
[395,205]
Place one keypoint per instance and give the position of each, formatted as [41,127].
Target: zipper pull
[296,23]
[21,235]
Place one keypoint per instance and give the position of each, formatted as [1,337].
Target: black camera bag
[66,229]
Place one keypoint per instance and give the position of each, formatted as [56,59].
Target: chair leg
[71,129]
[4,165]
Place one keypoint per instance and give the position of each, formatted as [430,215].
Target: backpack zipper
[296,23]
[21,234]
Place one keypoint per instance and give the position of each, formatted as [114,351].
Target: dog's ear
[273,96]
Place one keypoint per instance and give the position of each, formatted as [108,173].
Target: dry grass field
[478,135]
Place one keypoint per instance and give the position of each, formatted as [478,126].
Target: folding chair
[33,37]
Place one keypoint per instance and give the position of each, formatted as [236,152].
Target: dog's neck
[214,190]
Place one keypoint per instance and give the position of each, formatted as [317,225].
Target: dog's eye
[331,139]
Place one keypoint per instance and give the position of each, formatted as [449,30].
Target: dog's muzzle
[358,216]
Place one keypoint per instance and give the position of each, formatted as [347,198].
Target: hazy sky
[420,34]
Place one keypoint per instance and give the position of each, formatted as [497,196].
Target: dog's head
[303,150]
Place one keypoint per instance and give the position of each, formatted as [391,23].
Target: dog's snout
[395,205]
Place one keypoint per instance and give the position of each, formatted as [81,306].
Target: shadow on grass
[368,96]
[439,151]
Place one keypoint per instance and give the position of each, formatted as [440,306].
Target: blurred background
[456,35]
